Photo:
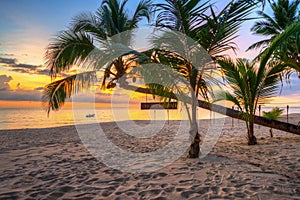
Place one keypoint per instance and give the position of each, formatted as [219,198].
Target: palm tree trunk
[251,138]
[279,125]
[194,150]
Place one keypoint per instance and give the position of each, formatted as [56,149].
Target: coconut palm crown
[73,46]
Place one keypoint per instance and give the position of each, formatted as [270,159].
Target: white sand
[54,164]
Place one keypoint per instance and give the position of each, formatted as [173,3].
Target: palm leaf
[91,24]
[68,49]
[279,40]
[217,34]
[56,93]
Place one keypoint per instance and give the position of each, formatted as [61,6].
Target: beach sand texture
[53,163]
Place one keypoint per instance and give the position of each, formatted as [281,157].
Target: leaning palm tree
[184,16]
[73,47]
[250,86]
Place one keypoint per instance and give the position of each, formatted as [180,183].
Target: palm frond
[284,13]
[56,93]
[259,45]
[143,10]
[279,40]
[250,86]
[273,114]
[67,49]
[91,24]
[219,31]
[180,15]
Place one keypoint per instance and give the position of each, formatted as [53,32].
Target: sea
[22,118]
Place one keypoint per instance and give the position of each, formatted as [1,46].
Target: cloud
[8,61]
[19,94]
[20,70]
[39,88]
[12,64]
[4,80]
[6,54]
[27,66]
[7,93]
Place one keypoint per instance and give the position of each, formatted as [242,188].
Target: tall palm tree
[214,32]
[73,46]
[184,16]
[250,86]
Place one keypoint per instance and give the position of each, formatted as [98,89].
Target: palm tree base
[194,151]
[252,140]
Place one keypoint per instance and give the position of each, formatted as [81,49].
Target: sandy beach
[53,163]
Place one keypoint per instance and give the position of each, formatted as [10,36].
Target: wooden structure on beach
[159,105]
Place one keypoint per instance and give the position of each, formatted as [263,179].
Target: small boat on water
[90,115]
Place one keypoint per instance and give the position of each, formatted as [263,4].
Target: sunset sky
[27,27]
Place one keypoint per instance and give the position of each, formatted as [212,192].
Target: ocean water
[19,118]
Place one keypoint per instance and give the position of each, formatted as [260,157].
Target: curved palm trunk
[283,126]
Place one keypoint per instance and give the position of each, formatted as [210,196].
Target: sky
[27,27]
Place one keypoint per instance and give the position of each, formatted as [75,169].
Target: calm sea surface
[17,118]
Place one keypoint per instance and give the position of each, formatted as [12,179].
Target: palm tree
[184,16]
[213,32]
[250,86]
[273,114]
[266,56]
[73,46]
